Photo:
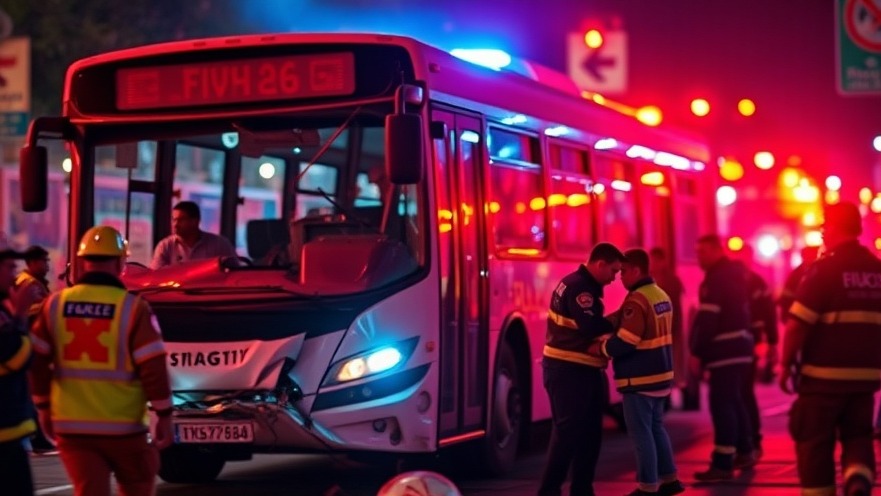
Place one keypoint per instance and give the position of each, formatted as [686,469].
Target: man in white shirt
[188,241]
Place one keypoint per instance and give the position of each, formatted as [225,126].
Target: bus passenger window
[517,207]
[570,203]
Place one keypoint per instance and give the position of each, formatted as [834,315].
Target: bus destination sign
[235,81]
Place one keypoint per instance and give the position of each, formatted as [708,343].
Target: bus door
[462,253]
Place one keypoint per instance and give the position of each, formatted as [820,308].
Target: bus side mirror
[33,177]
[403,148]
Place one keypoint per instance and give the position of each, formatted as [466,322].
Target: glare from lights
[598,189]
[606,144]
[266,170]
[671,160]
[297,150]
[768,245]
[793,161]
[557,131]
[876,143]
[639,151]
[790,177]
[814,238]
[621,185]
[735,243]
[833,183]
[649,115]
[700,107]
[487,57]
[67,165]
[876,205]
[878,243]
[230,140]
[593,38]
[726,196]
[514,119]
[654,178]
[470,137]
[746,107]
[809,219]
[832,197]
[731,170]
[764,160]
[866,195]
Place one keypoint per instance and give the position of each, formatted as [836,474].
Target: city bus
[401,217]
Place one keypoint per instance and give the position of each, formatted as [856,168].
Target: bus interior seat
[266,237]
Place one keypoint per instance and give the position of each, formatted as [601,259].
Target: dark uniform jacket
[16,409]
[790,286]
[575,319]
[840,301]
[763,316]
[721,335]
[641,349]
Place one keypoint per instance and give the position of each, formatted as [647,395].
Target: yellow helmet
[419,482]
[102,241]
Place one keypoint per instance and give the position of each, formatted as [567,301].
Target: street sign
[859,46]
[603,69]
[15,86]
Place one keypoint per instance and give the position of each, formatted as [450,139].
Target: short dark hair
[710,239]
[638,258]
[35,252]
[607,252]
[190,208]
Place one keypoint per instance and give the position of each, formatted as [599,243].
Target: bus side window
[570,203]
[618,220]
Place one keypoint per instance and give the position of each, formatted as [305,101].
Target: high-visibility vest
[95,389]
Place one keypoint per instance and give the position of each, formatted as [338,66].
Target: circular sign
[862,20]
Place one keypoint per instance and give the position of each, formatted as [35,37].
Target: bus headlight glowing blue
[372,362]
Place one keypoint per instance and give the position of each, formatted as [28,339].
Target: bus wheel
[507,415]
[189,465]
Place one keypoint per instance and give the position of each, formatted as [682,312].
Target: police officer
[16,412]
[720,341]
[575,380]
[99,351]
[763,326]
[835,328]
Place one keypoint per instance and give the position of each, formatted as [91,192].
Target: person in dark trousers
[31,288]
[721,343]
[808,255]
[834,334]
[641,351]
[16,410]
[665,276]
[574,379]
[763,325]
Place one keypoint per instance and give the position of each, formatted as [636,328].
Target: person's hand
[45,421]
[163,432]
[785,376]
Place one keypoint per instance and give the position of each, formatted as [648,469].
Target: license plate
[229,432]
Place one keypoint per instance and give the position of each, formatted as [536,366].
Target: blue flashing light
[383,359]
[557,131]
[230,140]
[492,58]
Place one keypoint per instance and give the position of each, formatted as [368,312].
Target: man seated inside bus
[188,241]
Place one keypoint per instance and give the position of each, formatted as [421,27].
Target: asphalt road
[690,432]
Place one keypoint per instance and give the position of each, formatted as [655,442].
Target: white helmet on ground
[419,483]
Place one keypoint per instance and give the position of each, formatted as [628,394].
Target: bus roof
[500,94]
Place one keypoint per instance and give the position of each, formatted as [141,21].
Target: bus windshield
[295,194]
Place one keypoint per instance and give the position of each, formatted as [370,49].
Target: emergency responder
[575,381]
[642,358]
[834,331]
[98,349]
[790,286]
[31,288]
[665,276]
[763,326]
[720,341]
[16,411]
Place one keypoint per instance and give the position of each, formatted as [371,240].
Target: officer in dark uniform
[790,286]
[575,381]
[763,326]
[721,342]
[835,329]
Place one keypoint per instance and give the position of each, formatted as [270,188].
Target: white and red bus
[402,217]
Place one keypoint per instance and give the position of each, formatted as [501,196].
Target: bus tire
[506,417]
[189,465]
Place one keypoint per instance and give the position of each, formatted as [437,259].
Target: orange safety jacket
[95,388]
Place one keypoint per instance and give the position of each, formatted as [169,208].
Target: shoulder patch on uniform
[584,300]
[663,307]
[560,289]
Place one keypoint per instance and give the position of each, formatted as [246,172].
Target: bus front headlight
[371,362]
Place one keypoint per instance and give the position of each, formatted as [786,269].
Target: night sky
[780,53]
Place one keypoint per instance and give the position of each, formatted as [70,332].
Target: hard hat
[419,483]
[102,241]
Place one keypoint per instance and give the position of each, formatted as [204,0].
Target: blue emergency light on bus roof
[492,58]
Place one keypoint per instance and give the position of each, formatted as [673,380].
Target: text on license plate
[241,432]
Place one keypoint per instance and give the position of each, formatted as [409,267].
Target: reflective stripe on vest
[95,389]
